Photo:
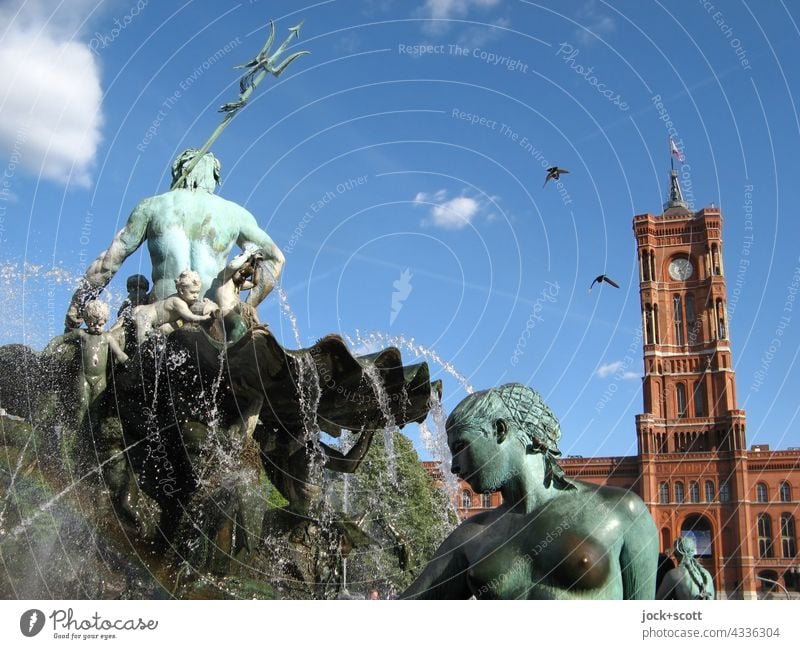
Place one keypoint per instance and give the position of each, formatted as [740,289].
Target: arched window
[692,323]
[786,492]
[649,332]
[709,491]
[680,396]
[699,399]
[765,550]
[677,312]
[486,500]
[722,334]
[694,492]
[663,493]
[788,536]
[761,493]
[466,499]
[679,496]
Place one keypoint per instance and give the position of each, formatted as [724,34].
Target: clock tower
[691,435]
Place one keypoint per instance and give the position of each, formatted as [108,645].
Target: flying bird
[554,173]
[603,278]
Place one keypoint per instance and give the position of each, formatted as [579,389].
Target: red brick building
[693,468]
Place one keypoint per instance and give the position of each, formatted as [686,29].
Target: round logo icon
[31,622]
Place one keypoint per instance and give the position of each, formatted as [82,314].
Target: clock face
[680,269]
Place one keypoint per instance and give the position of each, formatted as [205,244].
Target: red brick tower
[691,435]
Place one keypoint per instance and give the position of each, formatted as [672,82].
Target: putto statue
[689,580]
[187,228]
[553,537]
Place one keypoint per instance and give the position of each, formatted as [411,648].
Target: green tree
[403,512]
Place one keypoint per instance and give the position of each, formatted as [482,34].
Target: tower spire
[675,197]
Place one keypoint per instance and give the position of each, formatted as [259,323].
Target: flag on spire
[675,151]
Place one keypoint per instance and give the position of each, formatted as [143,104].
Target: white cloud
[452,8]
[597,23]
[608,369]
[440,11]
[455,214]
[448,214]
[50,97]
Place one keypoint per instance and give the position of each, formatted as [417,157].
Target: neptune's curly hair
[534,424]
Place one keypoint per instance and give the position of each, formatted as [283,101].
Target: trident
[262,64]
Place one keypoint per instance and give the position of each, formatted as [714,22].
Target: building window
[709,491]
[680,395]
[761,493]
[786,492]
[466,499]
[765,550]
[486,500]
[699,399]
[649,332]
[722,334]
[692,322]
[663,493]
[679,496]
[788,536]
[677,310]
[724,492]
[694,492]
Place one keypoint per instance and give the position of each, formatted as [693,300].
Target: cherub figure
[164,315]
[94,415]
[241,274]
[95,345]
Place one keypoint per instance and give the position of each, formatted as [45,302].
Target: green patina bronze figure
[553,537]
[689,580]
[188,228]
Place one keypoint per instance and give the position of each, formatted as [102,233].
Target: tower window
[699,399]
[649,331]
[677,319]
[663,493]
[694,492]
[679,495]
[761,493]
[709,487]
[466,499]
[788,536]
[692,322]
[765,549]
[486,500]
[680,396]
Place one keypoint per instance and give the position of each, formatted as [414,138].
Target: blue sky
[400,166]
